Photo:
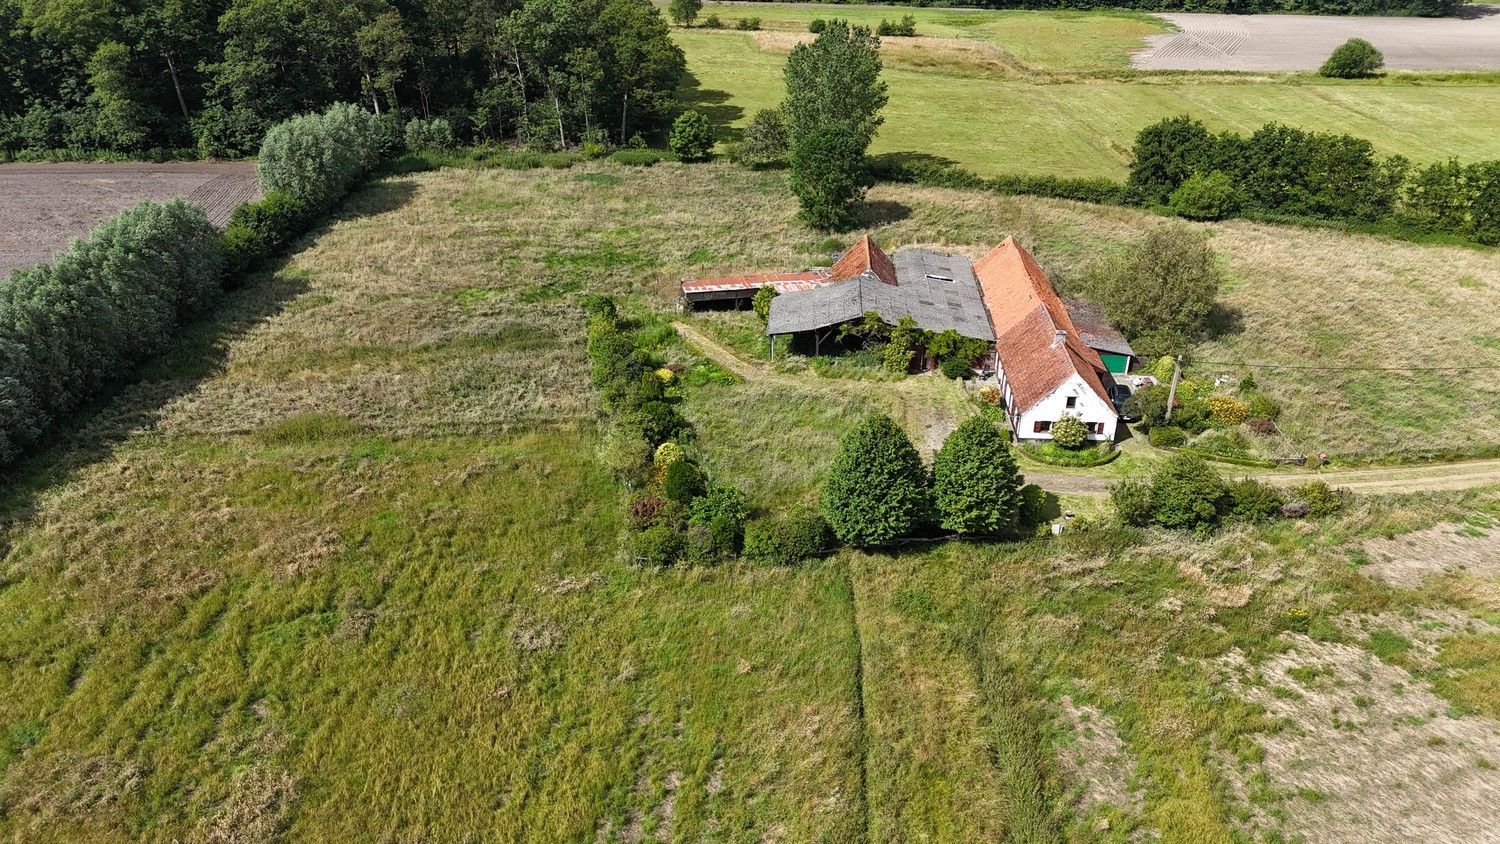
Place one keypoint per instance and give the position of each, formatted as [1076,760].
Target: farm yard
[44,206]
[1013,92]
[354,543]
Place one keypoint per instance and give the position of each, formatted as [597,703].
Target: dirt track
[1303,42]
[43,207]
[1444,476]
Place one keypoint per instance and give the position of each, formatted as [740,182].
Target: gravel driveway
[1302,42]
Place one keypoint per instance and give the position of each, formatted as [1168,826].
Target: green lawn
[346,567]
[996,121]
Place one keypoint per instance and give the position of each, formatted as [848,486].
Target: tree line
[130,76]
[1426,8]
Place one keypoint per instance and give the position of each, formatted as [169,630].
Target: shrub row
[1285,173]
[1186,493]
[113,299]
[898,168]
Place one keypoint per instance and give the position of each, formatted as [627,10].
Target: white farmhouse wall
[1089,407]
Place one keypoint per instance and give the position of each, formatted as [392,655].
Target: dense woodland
[1433,8]
[135,75]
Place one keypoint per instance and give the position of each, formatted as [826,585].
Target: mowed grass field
[346,567]
[1048,93]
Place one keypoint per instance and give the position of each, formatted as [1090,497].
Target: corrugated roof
[1027,315]
[939,291]
[783,282]
[1094,328]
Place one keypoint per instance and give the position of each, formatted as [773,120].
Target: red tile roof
[1027,315]
[864,257]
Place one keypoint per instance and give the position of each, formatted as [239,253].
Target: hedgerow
[99,309]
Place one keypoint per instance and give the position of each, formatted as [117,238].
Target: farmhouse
[1052,357]
[1046,370]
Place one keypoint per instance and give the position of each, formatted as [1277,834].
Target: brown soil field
[43,207]
[1303,42]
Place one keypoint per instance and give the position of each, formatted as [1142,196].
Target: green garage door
[1118,364]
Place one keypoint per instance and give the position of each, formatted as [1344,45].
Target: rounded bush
[789,539]
[692,137]
[955,368]
[658,545]
[1225,410]
[975,483]
[1070,432]
[682,482]
[1132,502]
[1205,196]
[765,141]
[1353,59]
[668,453]
[1254,501]
[876,488]
[1187,493]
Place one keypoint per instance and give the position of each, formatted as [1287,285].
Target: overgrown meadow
[345,566]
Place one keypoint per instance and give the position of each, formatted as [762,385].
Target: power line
[1244,365]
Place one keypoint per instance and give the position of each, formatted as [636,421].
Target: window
[1096,427]
[1041,427]
[1072,402]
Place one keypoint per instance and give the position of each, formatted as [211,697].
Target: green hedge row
[70,328]
[899,168]
[98,310]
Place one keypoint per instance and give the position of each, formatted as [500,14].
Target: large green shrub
[1205,196]
[1167,436]
[1187,493]
[259,229]
[1353,59]
[975,484]
[113,299]
[876,488]
[317,158]
[1320,498]
[692,137]
[1132,502]
[789,539]
[761,302]
[1254,501]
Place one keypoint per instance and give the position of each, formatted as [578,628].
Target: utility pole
[1172,393]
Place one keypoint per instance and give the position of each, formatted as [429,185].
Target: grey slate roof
[1094,328]
[939,291]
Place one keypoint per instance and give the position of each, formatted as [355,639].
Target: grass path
[932,425]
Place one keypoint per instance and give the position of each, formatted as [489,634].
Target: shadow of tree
[881,212]
[137,402]
[894,162]
[713,104]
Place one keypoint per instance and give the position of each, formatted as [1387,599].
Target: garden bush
[748,24]
[318,157]
[660,421]
[975,483]
[906,27]
[1167,436]
[713,22]
[658,545]
[1320,498]
[109,302]
[1353,59]
[1205,196]
[682,482]
[435,133]
[789,539]
[692,137]
[1070,432]
[817,26]
[668,453]
[956,368]
[1187,493]
[875,490]
[1261,406]
[1254,501]
[761,302]
[1132,502]
[991,395]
